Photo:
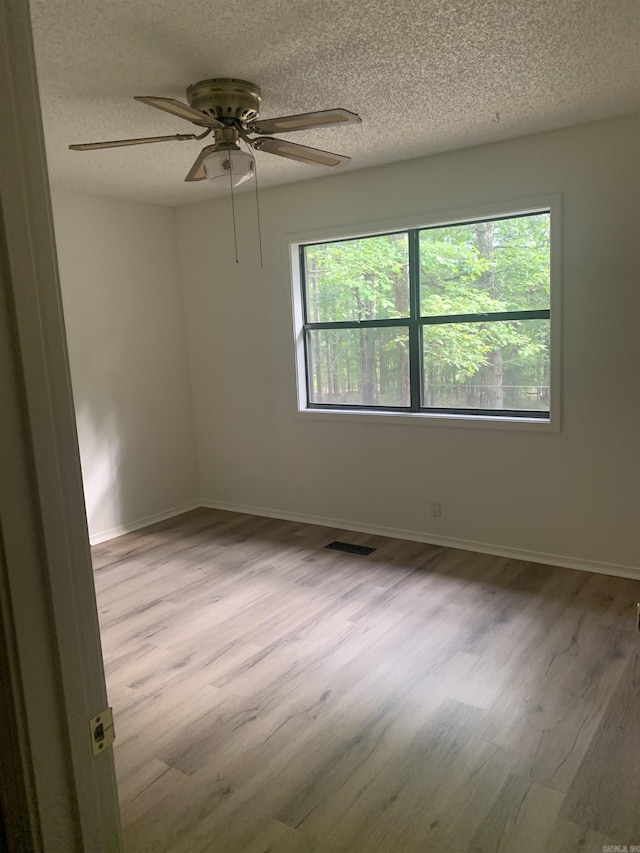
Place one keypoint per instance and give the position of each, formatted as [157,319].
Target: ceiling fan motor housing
[227,99]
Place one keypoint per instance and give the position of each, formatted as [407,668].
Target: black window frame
[415,325]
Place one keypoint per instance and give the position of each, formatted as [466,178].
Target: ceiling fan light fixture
[220,164]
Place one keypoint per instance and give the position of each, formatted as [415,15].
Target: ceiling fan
[229,109]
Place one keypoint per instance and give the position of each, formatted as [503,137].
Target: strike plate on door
[103,733]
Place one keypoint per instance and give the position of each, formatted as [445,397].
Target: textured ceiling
[424,76]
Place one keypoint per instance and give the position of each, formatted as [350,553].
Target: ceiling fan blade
[306,121]
[302,153]
[177,108]
[119,143]
[196,172]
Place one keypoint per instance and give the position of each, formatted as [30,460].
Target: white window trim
[553,203]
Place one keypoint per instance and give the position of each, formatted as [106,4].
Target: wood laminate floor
[272,696]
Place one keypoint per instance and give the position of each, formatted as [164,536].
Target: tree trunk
[317,355]
[495,394]
[368,349]
[401,300]
[368,367]
[328,365]
[385,378]
[333,366]
[493,371]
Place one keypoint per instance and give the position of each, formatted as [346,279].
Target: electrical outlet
[436,510]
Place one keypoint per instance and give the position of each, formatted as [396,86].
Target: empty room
[358,431]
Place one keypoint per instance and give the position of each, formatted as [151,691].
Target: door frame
[64,799]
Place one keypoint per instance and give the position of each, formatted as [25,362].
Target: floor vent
[349,548]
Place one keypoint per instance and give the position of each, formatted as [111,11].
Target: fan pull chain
[255,172]
[233,206]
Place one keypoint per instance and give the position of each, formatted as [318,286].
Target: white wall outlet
[436,510]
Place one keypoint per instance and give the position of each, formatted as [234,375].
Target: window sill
[430,420]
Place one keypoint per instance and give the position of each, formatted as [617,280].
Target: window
[451,319]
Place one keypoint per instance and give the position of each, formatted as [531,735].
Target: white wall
[573,496]
[123,313]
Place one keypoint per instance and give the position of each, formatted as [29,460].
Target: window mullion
[487,317]
[415,369]
[359,324]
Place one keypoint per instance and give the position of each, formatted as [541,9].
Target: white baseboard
[433,539]
[112,532]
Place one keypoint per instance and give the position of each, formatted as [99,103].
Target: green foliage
[358,279]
